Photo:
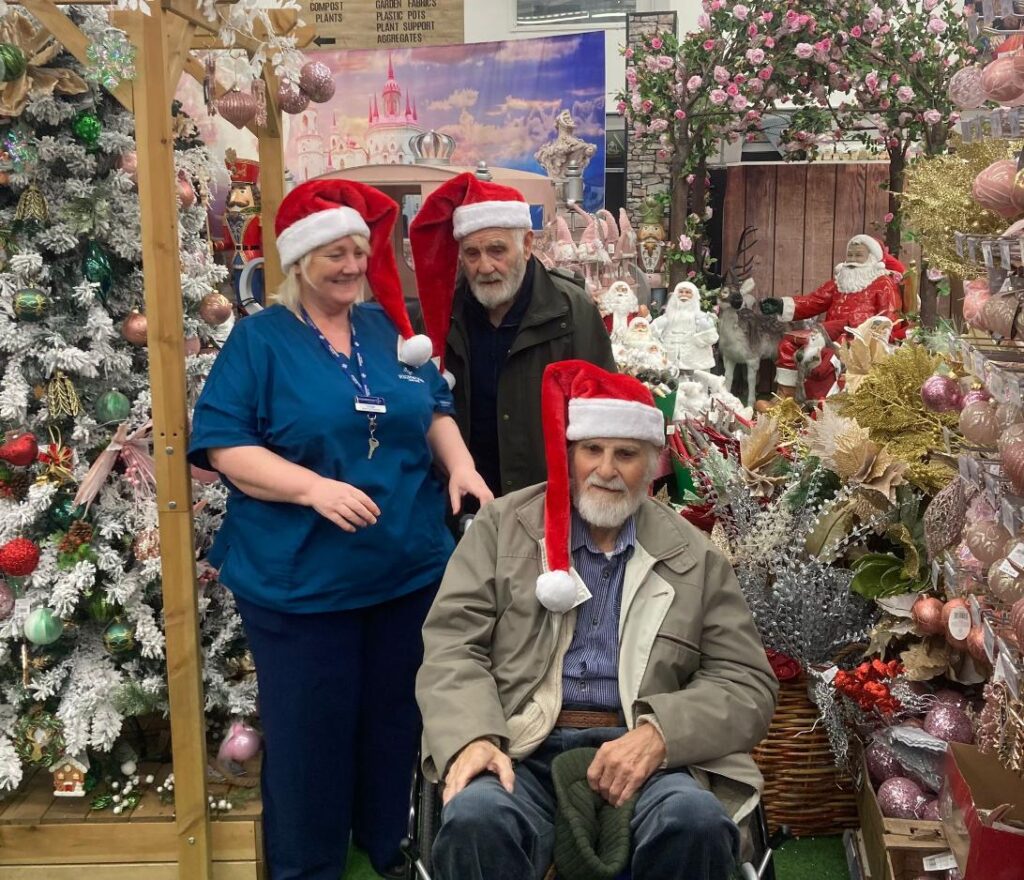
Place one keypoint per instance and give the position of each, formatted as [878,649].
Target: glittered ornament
[134,328]
[978,423]
[215,308]
[19,557]
[32,207]
[975,395]
[941,394]
[61,397]
[900,798]
[929,812]
[927,615]
[882,762]
[993,188]
[237,107]
[950,697]
[1010,435]
[987,540]
[1005,581]
[999,80]
[39,738]
[12,62]
[31,304]
[128,162]
[186,192]
[1017,620]
[63,512]
[146,544]
[7,599]
[87,128]
[949,723]
[317,81]
[1011,457]
[965,88]
[99,608]
[111,59]
[42,627]
[999,315]
[290,98]
[118,637]
[20,450]
[112,406]
[96,268]
[241,743]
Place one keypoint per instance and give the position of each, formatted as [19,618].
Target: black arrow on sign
[324,41]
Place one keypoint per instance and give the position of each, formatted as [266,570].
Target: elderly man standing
[582,612]
[508,319]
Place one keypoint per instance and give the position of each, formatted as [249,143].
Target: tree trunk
[698,206]
[679,207]
[897,177]
[928,293]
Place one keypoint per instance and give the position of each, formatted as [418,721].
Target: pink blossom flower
[680,114]
[755,56]
[721,74]
[856,32]
[752,30]
[740,12]
[936,26]
[634,101]
[769,42]
[929,5]
[690,178]
[739,102]
[895,79]
[694,83]
[709,45]
[647,106]
[664,155]
[871,81]
[658,125]
[932,117]
[704,21]
[935,275]
[905,94]
[739,79]
[716,5]
[685,242]
[629,53]
[732,89]
[639,128]
[755,87]
[804,50]
[631,75]
[718,96]
[875,14]
[621,106]
[917,56]
[657,43]
[888,217]
[765,73]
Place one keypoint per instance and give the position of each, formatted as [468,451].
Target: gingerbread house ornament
[69,776]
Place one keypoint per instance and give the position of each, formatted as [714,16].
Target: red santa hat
[318,212]
[580,401]
[459,207]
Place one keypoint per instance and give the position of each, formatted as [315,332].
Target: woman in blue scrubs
[328,423]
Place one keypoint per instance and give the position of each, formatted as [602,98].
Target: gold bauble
[215,308]
[135,329]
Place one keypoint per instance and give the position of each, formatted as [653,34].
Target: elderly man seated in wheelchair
[583,613]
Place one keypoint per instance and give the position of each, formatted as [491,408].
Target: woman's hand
[343,504]
[466,481]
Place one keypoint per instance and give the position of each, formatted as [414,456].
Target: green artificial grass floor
[812,858]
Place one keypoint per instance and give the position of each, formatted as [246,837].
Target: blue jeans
[680,830]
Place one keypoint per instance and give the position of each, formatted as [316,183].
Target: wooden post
[271,154]
[162,279]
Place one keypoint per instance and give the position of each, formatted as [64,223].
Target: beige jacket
[689,653]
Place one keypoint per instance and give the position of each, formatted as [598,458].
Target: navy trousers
[341,731]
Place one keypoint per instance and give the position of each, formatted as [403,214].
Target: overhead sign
[384,24]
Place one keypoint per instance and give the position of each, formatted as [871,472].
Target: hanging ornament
[64,512]
[965,89]
[96,268]
[111,59]
[135,329]
[215,308]
[237,107]
[241,743]
[317,81]
[290,98]
[259,94]
[20,450]
[112,406]
[19,557]
[31,304]
[118,637]
[128,162]
[32,207]
[192,345]
[186,192]
[12,62]
[88,128]
[62,398]
[99,608]
[7,599]
[146,545]
[210,82]
[39,738]
[42,627]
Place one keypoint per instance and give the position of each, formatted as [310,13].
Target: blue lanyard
[362,387]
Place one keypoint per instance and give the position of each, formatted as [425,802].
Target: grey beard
[490,296]
[607,514]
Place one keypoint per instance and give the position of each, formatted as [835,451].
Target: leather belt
[585,719]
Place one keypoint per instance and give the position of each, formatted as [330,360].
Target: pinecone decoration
[17,485]
[78,534]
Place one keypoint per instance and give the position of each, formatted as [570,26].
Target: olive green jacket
[561,323]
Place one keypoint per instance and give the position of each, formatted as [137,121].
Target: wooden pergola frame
[165,41]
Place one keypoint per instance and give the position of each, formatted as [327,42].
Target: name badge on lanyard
[367,404]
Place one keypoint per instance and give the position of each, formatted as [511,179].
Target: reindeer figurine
[745,336]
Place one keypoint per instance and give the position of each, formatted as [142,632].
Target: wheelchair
[425,820]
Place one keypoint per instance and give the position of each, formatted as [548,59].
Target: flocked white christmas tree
[81,640]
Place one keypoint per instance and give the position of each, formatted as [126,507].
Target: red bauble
[135,329]
[19,557]
[927,614]
[21,450]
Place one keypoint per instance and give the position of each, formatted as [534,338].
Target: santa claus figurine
[687,334]
[865,285]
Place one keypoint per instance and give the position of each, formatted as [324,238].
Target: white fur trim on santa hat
[316,230]
[416,350]
[473,217]
[871,243]
[591,417]
[556,591]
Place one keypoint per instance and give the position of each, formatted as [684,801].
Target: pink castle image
[389,127]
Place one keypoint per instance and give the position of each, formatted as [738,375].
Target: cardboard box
[892,846]
[976,783]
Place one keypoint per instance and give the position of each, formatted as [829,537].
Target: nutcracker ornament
[243,232]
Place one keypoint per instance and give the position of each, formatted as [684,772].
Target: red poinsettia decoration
[784,666]
[869,685]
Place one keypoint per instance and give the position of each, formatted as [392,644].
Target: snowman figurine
[687,334]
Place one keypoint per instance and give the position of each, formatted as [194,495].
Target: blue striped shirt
[590,671]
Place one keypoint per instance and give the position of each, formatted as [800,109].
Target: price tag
[972,249]
[990,641]
[951,580]
[986,252]
[978,364]
[935,574]
[995,383]
[1016,555]
[22,609]
[939,862]
[1004,254]
[964,465]
[959,624]
[959,239]
[975,609]
[965,351]
[1009,517]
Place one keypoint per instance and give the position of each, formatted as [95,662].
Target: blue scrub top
[275,385]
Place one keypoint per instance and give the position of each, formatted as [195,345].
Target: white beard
[855,277]
[490,296]
[606,514]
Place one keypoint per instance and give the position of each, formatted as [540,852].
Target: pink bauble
[134,329]
[941,394]
[965,88]
[987,540]
[949,723]
[241,743]
[998,315]
[950,697]
[128,162]
[290,98]
[927,615]
[993,188]
[215,308]
[976,294]
[966,562]
[1011,434]
[900,798]
[882,762]
[317,81]
[237,107]
[975,395]
[192,345]
[186,192]
[1007,414]
[929,812]
[1017,620]
[976,644]
[999,80]
[978,423]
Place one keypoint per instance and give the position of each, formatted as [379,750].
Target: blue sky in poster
[498,100]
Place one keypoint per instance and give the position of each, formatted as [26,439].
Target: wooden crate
[43,837]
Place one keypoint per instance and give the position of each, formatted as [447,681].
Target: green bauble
[98,608]
[12,60]
[64,512]
[31,304]
[87,128]
[42,627]
[118,638]
[112,406]
[96,268]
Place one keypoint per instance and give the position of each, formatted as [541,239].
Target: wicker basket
[802,786]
